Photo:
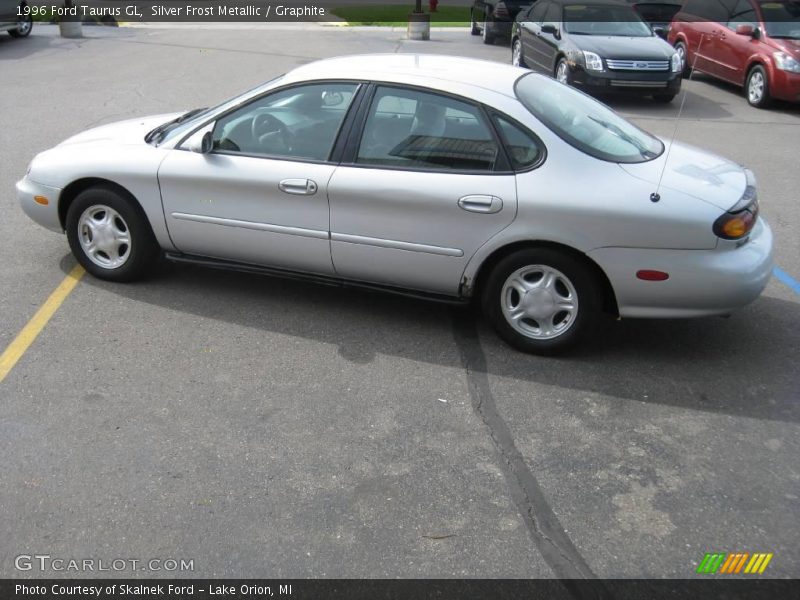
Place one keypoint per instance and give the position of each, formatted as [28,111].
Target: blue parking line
[784,277]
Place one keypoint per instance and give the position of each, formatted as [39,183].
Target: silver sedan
[399,172]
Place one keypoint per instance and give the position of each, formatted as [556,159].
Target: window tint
[537,12]
[585,123]
[418,130]
[301,122]
[709,10]
[523,149]
[552,16]
[743,14]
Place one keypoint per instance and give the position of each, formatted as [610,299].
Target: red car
[751,43]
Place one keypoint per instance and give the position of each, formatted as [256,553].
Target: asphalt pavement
[270,428]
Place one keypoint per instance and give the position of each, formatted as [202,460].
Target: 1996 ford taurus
[401,172]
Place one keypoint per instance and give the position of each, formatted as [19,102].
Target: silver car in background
[399,172]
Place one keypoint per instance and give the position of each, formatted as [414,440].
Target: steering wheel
[266,127]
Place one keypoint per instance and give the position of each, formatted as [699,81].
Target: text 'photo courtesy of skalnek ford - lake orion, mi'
[401,299]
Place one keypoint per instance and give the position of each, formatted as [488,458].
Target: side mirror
[745,29]
[660,32]
[201,142]
[551,29]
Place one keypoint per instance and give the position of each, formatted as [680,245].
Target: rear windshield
[583,122]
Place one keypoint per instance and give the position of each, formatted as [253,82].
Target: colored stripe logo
[734,562]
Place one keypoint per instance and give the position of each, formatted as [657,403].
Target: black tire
[488,34]
[663,98]
[143,249]
[24,27]
[764,100]
[680,48]
[475,29]
[563,61]
[514,43]
[574,327]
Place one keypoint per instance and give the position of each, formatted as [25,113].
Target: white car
[400,172]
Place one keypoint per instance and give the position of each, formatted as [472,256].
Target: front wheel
[562,72]
[517,57]
[110,236]
[24,27]
[541,301]
[757,88]
[663,98]
[680,50]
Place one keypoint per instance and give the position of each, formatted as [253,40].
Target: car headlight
[677,65]
[592,61]
[786,62]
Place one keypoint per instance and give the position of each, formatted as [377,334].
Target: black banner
[379,589]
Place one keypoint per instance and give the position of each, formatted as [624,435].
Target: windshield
[585,123]
[782,19]
[600,19]
[188,121]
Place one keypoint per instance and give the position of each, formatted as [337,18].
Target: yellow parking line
[32,329]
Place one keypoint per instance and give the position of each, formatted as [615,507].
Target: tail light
[739,220]
[501,11]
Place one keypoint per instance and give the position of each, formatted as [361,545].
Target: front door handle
[299,187]
[481,204]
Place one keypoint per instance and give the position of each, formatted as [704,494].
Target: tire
[475,29]
[488,34]
[103,213]
[24,27]
[680,48]
[566,78]
[517,54]
[756,88]
[663,98]
[542,326]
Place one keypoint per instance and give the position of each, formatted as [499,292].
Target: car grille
[638,65]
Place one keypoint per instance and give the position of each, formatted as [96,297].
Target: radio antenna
[655,196]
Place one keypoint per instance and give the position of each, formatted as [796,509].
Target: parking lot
[270,428]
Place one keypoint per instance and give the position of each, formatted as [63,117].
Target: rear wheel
[517,56]
[757,88]
[475,29]
[541,301]
[109,236]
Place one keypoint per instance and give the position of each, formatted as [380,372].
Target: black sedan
[494,18]
[598,45]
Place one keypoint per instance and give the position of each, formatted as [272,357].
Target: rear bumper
[701,282]
[627,82]
[44,215]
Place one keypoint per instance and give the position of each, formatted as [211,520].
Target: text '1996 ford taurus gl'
[399,172]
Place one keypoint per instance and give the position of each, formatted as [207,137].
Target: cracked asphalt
[270,428]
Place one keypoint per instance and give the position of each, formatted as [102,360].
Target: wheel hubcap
[104,237]
[24,26]
[561,73]
[485,29]
[756,87]
[516,54]
[682,55]
[539,302]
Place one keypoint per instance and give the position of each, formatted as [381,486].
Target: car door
[260,196]
[529,28]
[547,44]
[8,11]
[425,184]
[734,50]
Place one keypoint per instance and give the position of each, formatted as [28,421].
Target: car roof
[399,68]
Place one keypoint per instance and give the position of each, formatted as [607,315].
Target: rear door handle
[299,187]
[481,204]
